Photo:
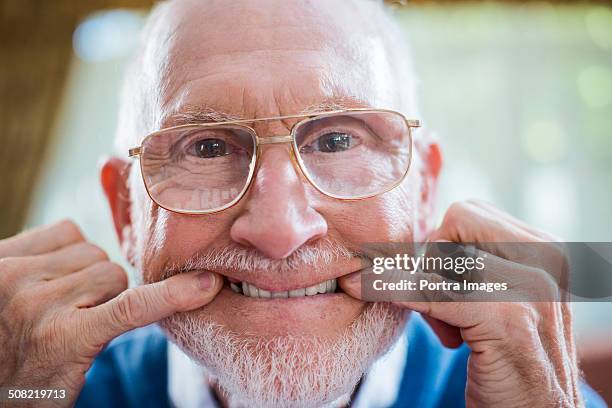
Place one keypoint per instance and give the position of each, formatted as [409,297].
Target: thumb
[351,284]
[143,305]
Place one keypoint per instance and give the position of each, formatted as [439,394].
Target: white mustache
[234,257]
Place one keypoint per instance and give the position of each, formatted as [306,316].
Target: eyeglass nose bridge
[270,140]
[274,140]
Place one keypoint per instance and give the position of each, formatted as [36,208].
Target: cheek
[387,218]
[164,238]
[171,238]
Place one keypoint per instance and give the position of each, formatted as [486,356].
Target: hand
[61,301]
[523,353]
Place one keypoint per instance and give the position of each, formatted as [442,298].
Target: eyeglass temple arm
[133,152]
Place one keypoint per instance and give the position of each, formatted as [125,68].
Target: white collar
[188,388]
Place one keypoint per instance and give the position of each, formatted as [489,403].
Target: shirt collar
[188,387]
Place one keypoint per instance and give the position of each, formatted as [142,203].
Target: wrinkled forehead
[258,58]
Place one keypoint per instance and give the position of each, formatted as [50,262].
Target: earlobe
[114,173]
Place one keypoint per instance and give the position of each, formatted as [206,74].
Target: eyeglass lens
[346,155]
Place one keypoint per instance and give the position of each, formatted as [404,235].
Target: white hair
[287,371]
[318,254]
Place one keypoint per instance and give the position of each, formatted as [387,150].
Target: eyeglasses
[349,154]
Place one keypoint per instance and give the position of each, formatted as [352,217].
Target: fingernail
[207,280]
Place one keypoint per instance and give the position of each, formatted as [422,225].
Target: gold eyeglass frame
[261,141]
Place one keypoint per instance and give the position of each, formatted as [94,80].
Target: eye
[209,148]
[334,142]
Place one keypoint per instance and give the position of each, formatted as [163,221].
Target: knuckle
[546,285]
[70,229]
[168,295]
[97,252]
[456,212]
[559,258]
[116,271]
[129,308]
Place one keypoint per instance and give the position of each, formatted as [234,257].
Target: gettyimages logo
[505,272]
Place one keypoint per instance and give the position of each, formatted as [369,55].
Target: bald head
[262,58]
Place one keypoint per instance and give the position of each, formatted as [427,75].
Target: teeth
[297,292]
[322,287]
[250,290]
[312,290]
[253,291]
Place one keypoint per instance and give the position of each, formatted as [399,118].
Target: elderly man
[270,140]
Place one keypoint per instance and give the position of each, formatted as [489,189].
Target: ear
[428,149]
[114,173]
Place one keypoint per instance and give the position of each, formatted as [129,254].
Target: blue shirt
[132,371]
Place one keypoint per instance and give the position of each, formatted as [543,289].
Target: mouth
[252,291]
[283,308]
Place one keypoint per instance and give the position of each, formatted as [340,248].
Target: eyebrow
[333,104]
[197,115]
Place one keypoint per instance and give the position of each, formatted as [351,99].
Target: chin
[293,352]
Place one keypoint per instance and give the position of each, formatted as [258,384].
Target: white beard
[287,371]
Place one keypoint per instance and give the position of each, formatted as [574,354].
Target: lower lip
[306,315]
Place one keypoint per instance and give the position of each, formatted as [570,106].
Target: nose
[278,217]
